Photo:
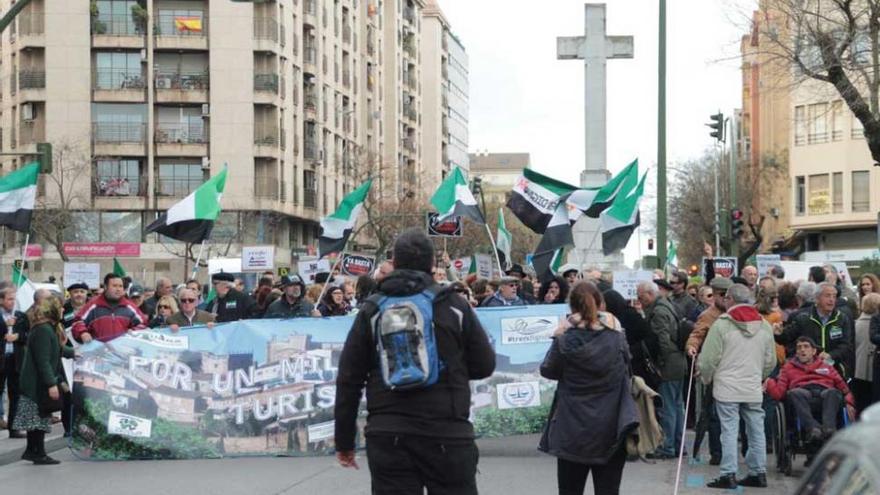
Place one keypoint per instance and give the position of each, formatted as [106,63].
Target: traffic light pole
[661,138]
[717,203]
[732,170]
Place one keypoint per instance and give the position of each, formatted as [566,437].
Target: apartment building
[444,107]
[498,172]
[301,99]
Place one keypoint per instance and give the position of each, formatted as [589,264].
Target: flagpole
[332,269]
[494,248]
[195,270]
[27,240]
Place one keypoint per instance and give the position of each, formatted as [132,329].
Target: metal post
[661,136]
[732,170]
[717,206]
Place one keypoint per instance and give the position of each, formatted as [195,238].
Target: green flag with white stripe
[336,229]
[192,219]
[18,191]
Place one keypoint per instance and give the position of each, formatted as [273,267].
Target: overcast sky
[522,99]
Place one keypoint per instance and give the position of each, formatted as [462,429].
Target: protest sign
[627,281]
[450,226]
[87,273]
[462,266]
[485,264]
[357,265]
[257,258]
[724,267]
[309,268]
[258,387]
[765,261]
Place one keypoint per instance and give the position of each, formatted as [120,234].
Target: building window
[84,227]
[179,179]
[861,191]
[800,125]
[801,192]
[115,18]
[118,123]
[820,195]
[836,120]
[818,123]
[118,177]
[837,191]
[123,226]
[118,70]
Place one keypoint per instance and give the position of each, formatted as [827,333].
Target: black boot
[755,480]
[727,481]
[40,448]
[30,452]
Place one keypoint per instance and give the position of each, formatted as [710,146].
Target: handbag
[48,405]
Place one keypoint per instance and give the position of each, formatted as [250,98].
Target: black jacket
[837,337]
[593,410]
[283,309]
[440,410]
[21,327]
[644,346]
[235,306]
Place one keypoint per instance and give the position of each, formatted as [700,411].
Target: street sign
[283,271]
[451,226]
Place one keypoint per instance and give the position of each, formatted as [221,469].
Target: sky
[522,99]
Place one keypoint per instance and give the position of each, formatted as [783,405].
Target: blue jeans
[671,416]
[752,415]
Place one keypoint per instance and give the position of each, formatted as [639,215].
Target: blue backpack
[403,330]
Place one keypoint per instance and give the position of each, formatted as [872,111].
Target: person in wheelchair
[808,383]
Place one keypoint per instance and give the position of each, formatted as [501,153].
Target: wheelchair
[791,439]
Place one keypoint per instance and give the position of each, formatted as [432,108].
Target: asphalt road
[509,466]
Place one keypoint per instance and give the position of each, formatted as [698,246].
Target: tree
[836,42]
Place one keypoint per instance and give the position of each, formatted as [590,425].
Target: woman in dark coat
[42,378]
[333,303]
[593,411]
[554,291]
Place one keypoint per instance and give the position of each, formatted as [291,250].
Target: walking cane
[687,406]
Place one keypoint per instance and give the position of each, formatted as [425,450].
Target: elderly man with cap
[77,296]
[719,287]
[292,304]
[230,303]
[506,294]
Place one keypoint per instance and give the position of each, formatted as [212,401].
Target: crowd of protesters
[676,326]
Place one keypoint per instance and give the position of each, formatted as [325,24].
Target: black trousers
[806,400]
[572,476]
[9,378]
[407,464]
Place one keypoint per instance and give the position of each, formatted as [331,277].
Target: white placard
[528,329]
[518,395]
[257,258]
[225,265]
[765,261]
[626,282]
[484,265]
[321,431]
[308,269]
[129,426]
[87,273]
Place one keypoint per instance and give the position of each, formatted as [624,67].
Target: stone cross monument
[594,48]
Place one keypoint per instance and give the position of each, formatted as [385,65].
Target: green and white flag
[192,219]
[621,219]
[336,229]
[118,269]
[18,191]
[672,254]
[454,197]
[24,294]
[503,241]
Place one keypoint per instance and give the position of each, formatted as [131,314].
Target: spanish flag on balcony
[188,24]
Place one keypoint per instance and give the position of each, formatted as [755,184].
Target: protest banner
[451,226]
[724,267]
[257,258]
[765,261]
[87,273]
[309,268]
[357,265]
[627,281]
[485,265]
[258,387]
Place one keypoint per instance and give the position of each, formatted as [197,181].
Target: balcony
[371,45]
[117,31]
[32,84]
[445,42]
[266,88]
[310,105]
[265,34]
[346,78]
[119,138]
[409,111]
[310,198]
[266,141]
[409,45]
[310,60]
[311,150]
[346,33]
[115,85]
[408,143]
[444,124]
[182,87]
[31,29]
[409,15]
[266,187]
[189,138]
[310,13]
[175,32]
[32,132]
[119,186]
[409,78]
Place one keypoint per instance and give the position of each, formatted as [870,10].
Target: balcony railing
[117,79]
[32,79]
[13,83]
[346,33]
[182,25]
[409,45]
[185,81]
[116,25]
[310,102]
[310,149]
[119,186]
[265,135]
[265,187]
[310,198]
[409,111]
[30,23]
[266,82]
[371,46]
[118,132]
[409,143]
[817,137]
[265,28]
[856,133]
[193,132]
[310,54]
[177,187]
[410,79]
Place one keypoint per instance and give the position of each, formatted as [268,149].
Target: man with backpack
[664,321]
[414,346]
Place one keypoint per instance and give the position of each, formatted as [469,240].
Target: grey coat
[663,319]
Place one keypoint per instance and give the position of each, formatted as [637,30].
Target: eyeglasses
[164,306]
[709,295]
[187,300]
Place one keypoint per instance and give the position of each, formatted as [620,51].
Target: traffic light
[717,126]
[44,156]
[736,223]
